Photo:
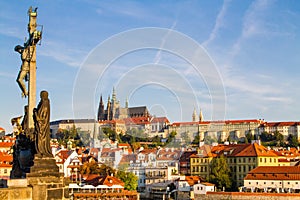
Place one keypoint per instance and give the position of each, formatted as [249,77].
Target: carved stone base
[44,167]
[47,188]
[46,180]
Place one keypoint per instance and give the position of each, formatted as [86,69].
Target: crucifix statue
[28,67]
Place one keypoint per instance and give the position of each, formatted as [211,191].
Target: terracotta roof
[168,154]
[64,153]
[148,151]
[220,122]
[6,144]
[123,145]
[243,150]
[185,156]
[6,165]
[203,151]
[274,173]
[160,120]
[207,184]
[5,158]
[279,124]
[137,120]
[192,180]
[128,158]
[2,129]
[94,179]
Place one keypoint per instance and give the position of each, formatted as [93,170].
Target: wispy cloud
[253,24]
[70,56]
[158,54]
[218,23]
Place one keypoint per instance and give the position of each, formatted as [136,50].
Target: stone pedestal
[46,181]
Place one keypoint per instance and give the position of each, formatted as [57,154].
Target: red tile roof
[137,120]
[94,179]
[277,124]
[220,122]
[160,120]
[192,180]
[6,144]
[243,150]
[274,173]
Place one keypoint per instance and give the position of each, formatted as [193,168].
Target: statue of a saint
[41,117]
[26,57]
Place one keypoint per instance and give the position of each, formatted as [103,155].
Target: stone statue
[26,57]
[41,117]
[15,122]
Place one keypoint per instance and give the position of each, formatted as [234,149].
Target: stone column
[32,73]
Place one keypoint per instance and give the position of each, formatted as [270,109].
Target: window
[260,159]
[5,171]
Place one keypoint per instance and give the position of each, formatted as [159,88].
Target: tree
[293,141]
[74,134]
[196,140]
[209,140]
[185,137]
[93,168]
[130,180]
[89,168]
[278,137]
[220,173]
[249,137]
[106,170]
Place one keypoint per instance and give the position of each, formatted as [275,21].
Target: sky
[229,59]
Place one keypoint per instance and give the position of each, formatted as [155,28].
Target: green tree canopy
[220,173]
[130,180]
[293,141]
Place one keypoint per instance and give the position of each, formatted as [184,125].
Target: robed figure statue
[41,116]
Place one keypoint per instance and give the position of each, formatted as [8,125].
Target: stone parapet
[20,193]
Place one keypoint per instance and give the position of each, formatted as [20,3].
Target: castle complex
[115,111]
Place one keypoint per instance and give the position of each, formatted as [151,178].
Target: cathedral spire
[101,110]
[194,116]
[114,95]
[108,108]
[200,116]
[126,103]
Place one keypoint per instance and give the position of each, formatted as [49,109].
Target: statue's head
[44,95]
[19,48]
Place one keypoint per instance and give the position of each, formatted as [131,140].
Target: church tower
[194,116]
[126,103]
[200,116]
[101,110]
[108,109]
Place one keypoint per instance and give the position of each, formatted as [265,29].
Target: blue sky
[253,47]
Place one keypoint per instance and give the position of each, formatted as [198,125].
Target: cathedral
[115,111]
